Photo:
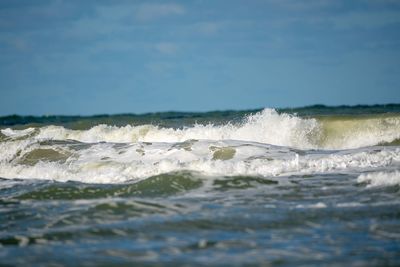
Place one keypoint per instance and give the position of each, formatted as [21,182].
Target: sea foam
[265,144]
[267,126]
[380,178]
[115,163]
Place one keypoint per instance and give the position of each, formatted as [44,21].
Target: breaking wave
[267,126]
[265,144]
[380,178]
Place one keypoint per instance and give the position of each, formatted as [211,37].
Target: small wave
[341,132]
[395,142]
[380,178]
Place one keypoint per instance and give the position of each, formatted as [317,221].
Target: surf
[267,126]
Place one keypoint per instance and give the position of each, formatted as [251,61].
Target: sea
[310,186]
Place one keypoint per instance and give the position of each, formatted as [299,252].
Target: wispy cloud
[166,48]
[208,28]
[16,43]
[366,20]
[54,9]
[148,12]
[162,68]
[304,5]
[115,12]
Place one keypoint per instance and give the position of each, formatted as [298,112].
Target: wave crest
[267,126]
[380,178]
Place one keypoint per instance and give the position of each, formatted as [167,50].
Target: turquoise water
[309,186]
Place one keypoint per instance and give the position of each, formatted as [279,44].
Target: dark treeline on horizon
[317,109]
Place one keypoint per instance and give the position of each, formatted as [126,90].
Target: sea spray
[267,126]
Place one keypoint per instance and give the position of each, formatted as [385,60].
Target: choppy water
[310,186]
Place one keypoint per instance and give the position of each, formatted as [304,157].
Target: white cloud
[53,9]
[88,27]
[366,20]
[148,12]
[166,48]
[115,45]
[208,28]
[115,12]
[304,5]
[160,67]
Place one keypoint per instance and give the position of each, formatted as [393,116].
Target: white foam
[349,205]
[266,126]
[115,163]
[380,178]
[11,148]
[260,146]
[17,133]
[319,205]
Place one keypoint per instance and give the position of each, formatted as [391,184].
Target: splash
[267,126]
[380,178]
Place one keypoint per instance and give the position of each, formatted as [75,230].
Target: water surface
[309,186]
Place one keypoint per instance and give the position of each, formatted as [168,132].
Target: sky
[95,57]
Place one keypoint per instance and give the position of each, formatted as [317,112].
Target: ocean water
[313,186]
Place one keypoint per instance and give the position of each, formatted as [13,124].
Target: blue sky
[90,57]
